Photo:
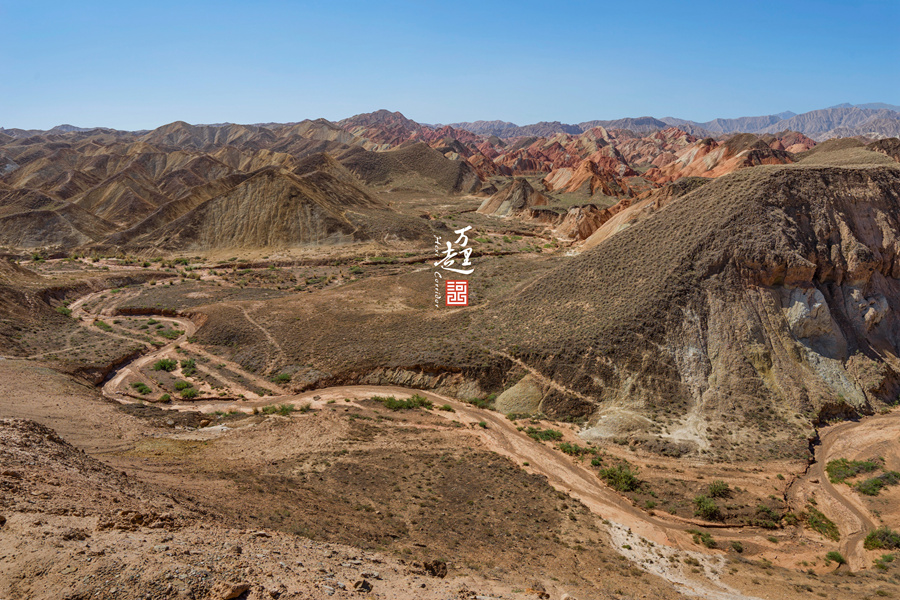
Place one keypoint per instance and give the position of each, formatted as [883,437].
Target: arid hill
[515,199]
[769,290]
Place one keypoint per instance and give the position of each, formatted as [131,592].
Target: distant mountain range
[873,120]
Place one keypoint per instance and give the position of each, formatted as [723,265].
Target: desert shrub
[103,325]
[170,334]
[702,537]
[165,398]
[737,547]
[189,367]
[882,563]
[766,518]
[873,485]
[841,469]
[282,378]
[183,385]
[621,478]
[575,449]
[141,387]
[718,489]
[480,402]
[415,401]
[64,311]
[707,508]
[882,538]
[819,522]
[446,407]
[165,364]
[282,409]
[549,435]
[835,556]
[189,393]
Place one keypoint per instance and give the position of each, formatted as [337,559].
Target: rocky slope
[515,199]
[765,294]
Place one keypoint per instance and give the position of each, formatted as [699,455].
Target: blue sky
[136,65]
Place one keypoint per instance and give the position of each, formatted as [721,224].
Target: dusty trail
[842,441]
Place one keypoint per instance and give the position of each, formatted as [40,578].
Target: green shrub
[170,334]
[766,518]
[183,385]
[64,311]
[165,364]
[549,435]
[575,449]
[480,402]
[189,393]
[819,522]
[189,367]
[621,477]
[882,538]
[392,403]
[141,387]
[737,547]
[282,409]
[841,469]
[702,537]
[165,398]
[719,489]
[446,407]
[872,486]
[707,508]
[103,325]
[282,378]
[835,556]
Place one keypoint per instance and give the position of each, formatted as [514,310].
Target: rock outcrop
[515,199]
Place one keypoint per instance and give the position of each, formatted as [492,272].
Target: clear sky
[139,65]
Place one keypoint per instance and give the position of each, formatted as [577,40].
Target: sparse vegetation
[822,524]
[766,518]
[874,485]
[705,507]
[103,325]
[189,367]
[547,435]
[142,388]
[165,364]
[282,409]
[702,537]
[719,489]
[882,538]
[841,469]
[621,477]
[189,393]
[416,401]
[835,556]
